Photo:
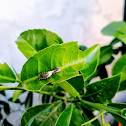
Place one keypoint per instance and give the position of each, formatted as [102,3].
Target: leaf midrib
[7,78]
[29,45]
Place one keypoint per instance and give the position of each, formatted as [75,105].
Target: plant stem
[93,119]
[48,93]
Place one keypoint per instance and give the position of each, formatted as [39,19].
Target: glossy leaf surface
[104,90]
[92,59]
[34,112]
[71,116]
[31,41]
[50,58]
[120,66]
[40,115]
[6,74]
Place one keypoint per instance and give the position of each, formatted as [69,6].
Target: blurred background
[72,20]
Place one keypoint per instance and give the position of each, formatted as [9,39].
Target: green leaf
[71,116]
[105,54]
[40,115]
[116,29]
[92,59]
[88,115]
[121,106]
[69,88]
[120,66]
[77,83]
[16,94]
[31,41]
[104,90]
[6,74]
[50,58]
[29,100]
[6,107]
[119,119]
[103,107]
[6,123]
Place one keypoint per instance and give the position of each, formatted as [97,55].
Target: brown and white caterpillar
[46,75]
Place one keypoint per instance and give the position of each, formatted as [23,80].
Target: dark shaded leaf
[83,48]
[29,100]
[6,107]
[6,123]
[77,83]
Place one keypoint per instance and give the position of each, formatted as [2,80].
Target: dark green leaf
[17,101]
[71,116]
[88,115]
[103,107]
[77,83]
[120,66]
[6,74]
[45,98]
[120,106]
[102,72]
[82,48]
[1,116]
[31,41]
[92,59]
[6,123]
[116,29]
[119,119]
[3,93]
[29,100]
[6,107]
[105,54]
[114,41]
[104,90]
[50,58]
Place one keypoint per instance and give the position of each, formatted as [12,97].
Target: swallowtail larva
[46,75]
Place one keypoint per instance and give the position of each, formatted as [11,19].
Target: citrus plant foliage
[74,98]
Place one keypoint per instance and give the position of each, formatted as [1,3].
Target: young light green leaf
[6,74]
[69,88]
[92,60]
[116,29]
[71,116]
[31,41]
[16,94]
[104,90]
[120,67]
[48,59]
